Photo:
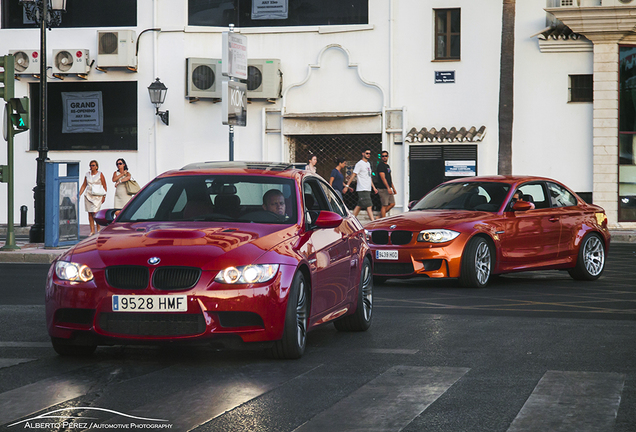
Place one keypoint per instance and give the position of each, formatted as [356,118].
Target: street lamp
[158,91]
[45,13]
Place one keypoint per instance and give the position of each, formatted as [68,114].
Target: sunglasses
[367,153]
[385,155]
[119,163]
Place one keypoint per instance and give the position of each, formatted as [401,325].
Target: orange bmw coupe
[474,228]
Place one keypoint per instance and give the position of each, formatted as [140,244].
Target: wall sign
[460,168]
[269,9]
[444,77]
[82,112]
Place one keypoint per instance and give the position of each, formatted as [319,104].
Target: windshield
[214,198]
[480,196]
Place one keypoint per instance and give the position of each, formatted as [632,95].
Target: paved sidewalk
[37,253]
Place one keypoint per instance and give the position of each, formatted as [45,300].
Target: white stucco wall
[394,67]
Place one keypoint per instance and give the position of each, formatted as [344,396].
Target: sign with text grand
[82,112]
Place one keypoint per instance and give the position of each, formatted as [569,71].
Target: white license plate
[386,254]
[150,303]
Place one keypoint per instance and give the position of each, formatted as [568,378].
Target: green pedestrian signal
[20,113]
[7,77]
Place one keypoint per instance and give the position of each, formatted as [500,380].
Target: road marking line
[7,362]
[391,351]
[572,401]
[389,402]
[29,399]
[25,345]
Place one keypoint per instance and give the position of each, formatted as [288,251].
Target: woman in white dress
[119,177]
[95,187]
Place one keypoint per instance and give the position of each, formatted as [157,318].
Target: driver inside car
[274,201]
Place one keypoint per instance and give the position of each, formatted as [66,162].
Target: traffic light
[20,113]
[7,77]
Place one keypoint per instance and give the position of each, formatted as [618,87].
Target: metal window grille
[581,88]
[329,147]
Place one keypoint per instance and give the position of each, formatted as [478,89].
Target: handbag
[97,189]
[132,187]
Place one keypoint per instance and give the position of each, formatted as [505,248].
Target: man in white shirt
[362,171]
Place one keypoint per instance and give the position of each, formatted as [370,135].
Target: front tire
[477,263]
[360,320]
[292,345]
[591,259]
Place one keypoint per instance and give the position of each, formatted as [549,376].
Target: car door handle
[554,219]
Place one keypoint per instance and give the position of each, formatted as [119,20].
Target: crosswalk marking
[572,402]
[35,397]
[389,402]
[7,362]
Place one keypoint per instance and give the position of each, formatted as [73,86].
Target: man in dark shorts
[385,184]
[362,171]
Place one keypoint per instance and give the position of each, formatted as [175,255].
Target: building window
[118,122]
[627,135]
[447,34]
[79,13]
[277,13]
[581,88]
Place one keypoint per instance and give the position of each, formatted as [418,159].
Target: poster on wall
[82,112]
[269,9]
[460,168]
[68,226]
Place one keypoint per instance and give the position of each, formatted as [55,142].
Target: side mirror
[412,204]
[105,217]
[522,206]
[327,219]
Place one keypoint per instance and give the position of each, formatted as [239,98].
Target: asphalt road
[533,352]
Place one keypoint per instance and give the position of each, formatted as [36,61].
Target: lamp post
[45,13]
[158,91]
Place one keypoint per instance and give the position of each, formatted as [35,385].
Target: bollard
[23,215]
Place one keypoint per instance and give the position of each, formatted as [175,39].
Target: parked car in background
[474,228]
[254,252]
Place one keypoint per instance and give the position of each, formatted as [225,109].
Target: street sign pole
[7,177]
[233,65]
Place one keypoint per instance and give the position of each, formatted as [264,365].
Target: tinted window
[212,199]
[479,196]
[79,13]
[560,196]
[246,13]
[335,203]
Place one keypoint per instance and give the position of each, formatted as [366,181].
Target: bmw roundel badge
[393,226]
[154,261]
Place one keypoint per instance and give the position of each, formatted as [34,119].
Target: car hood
[427,219]
[209,247]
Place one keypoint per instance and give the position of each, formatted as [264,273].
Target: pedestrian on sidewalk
[386,189]
[119,177]
[362,171]
[336,179]
[311,166]
[95,187]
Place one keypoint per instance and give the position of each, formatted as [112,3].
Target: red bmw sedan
[254,252]
[474,228]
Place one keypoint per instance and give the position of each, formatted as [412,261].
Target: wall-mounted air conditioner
[264,79]
[203,78]
[116,48]
[26,61]
[70,61]
[618,2]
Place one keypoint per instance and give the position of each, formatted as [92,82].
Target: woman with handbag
[95,187]
[120,177]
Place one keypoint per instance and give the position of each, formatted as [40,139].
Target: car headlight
[71,271]
[437,235]
[255,273]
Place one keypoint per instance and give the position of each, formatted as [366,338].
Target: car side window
[336,205]
[560,196]
[534,193]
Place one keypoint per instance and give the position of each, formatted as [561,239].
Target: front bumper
[83,311]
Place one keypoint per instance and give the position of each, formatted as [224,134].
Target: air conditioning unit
[264,79]
[203,78]
[70,61]
[618,2]
[26,61]
[116,49]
